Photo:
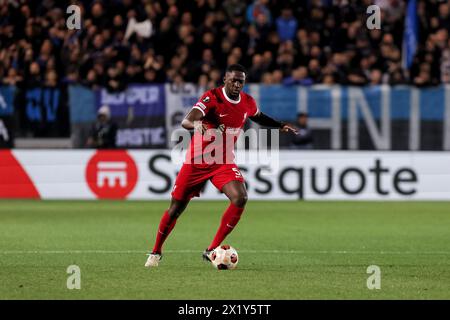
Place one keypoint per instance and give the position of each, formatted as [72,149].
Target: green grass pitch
[287,250]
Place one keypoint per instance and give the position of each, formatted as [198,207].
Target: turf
[287,250]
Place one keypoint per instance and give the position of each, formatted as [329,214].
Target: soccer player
[224,111]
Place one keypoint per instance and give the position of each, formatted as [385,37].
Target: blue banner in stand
[6,100]
[140,114]
[82,104]
[6,113]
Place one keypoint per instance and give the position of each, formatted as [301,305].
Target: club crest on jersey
[206,99]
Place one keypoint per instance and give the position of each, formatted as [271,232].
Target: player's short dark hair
[302,114]
[236,67]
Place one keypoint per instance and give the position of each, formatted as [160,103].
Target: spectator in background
[303,139]
[397,77]
[314,70]
[115,80]
[267,78]
[234,8]
[104,131]
[253,40]
[356,77]
[33,76]
[91,80]
[325,35]
[423,78]
[268,61]
[51,79]
[445,66]
[257,69]
[286,25]
[13,78]
[299,76]
[286,57]
[277,76]
[444,15]
[329,79]
[215,77]
[259,7]
[376,77]
[263,25]
[393,9]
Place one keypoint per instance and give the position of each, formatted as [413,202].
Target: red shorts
[192,178]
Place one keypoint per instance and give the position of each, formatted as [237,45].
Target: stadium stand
[310,41]
[290,43]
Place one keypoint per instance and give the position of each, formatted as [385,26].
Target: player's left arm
[264,120]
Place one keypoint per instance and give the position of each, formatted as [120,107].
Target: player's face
[234,83]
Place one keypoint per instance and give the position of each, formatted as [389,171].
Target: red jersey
[218,109]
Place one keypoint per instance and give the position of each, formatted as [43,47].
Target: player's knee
[239,200]
[173,212]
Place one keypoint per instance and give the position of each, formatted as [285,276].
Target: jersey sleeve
[205,103]
[253,108]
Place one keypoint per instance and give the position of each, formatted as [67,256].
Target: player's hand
[200,127]
[287,128]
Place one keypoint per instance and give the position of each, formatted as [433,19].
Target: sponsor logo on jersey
[233,130]
[206,99]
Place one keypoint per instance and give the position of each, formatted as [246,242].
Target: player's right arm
[192,121]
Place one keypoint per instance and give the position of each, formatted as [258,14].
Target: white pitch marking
[241,251]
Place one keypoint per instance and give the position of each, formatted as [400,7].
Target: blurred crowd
[280,42]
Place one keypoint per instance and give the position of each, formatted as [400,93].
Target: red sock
[165,226]
[229,220]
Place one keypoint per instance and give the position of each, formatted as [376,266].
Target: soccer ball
[224,257]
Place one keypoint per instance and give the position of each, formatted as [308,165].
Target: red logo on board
[111,174]
[14,180]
